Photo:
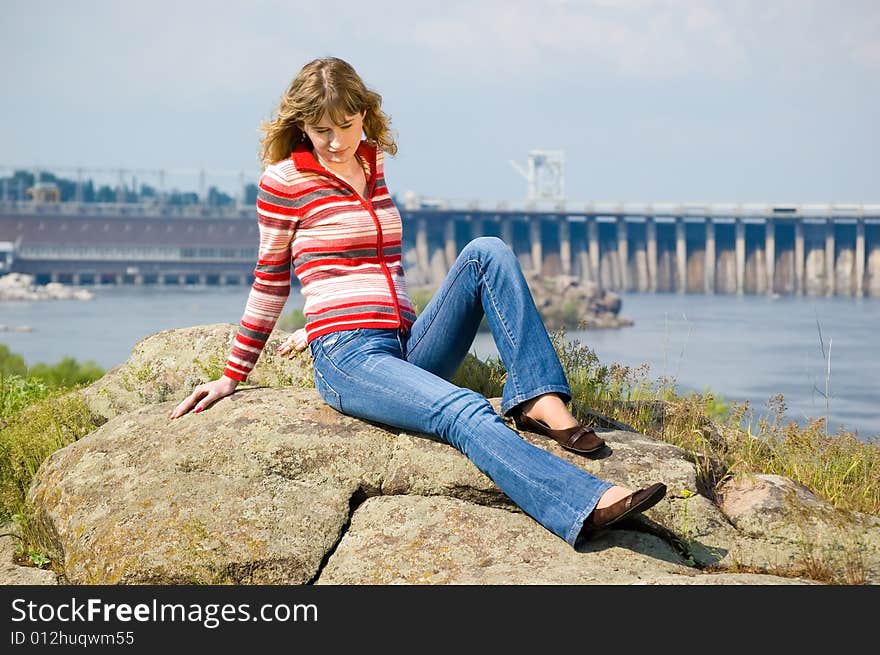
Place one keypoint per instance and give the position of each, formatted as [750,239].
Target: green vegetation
[28,437]
[20,181]
[292,320]
[65,374]
[724,439]
[37,417]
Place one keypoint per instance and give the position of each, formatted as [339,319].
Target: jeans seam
[362,381]
[494,303]
[409,348]
[486,444]
[518,474]
[500,315]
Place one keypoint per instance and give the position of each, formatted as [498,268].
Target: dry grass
[840,468]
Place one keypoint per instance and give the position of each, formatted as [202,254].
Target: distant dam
[714,249]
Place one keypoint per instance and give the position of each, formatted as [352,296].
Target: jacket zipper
[380,249]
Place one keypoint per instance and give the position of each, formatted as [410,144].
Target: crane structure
[545,175]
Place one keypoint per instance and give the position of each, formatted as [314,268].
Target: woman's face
[334,144]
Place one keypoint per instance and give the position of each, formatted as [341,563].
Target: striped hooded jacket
[345,251]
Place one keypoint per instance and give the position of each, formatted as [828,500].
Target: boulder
[272,486]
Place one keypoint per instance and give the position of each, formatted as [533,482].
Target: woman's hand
[205,395]
[293,344]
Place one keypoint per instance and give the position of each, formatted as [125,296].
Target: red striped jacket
[345,251]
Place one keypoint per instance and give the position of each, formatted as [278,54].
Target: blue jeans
[402,380]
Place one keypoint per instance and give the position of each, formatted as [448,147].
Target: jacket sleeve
[277,222]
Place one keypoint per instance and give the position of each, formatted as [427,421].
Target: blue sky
[682,100]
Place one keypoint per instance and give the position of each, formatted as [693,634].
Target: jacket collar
[304,160]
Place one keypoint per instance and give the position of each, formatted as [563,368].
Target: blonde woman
[324,210]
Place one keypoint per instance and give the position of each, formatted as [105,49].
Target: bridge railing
[124,209]
[410,203]
[663,209]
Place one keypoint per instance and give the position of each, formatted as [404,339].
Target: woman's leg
[363,374]
[486,279]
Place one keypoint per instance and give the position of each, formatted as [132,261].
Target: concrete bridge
[811,249]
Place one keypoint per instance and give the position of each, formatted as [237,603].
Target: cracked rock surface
[272,486]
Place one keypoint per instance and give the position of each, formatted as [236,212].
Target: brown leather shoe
[637,501]
[579,439]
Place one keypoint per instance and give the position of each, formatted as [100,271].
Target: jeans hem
[507,405]
[578,526]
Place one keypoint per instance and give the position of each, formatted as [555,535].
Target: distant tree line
[15,187]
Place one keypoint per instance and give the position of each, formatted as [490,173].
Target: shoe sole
[529,429]
[647,503]
[574,450]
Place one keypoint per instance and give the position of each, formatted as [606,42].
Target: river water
[742,348]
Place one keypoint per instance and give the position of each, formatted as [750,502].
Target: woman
[323,204]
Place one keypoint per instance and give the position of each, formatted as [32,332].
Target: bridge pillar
[740,256]
[243,280]
[451,250]
[53,276]
[119,279]
[770,251]
[75,279]
[799,257]
[422,244]
[623,253]
[535,239]
[860,258]
[829,258]
[203,279]
[681,254]
[565,245]
[181,280]
[709,269]
[477,229]
[507,231]
[651,246]
[593,238]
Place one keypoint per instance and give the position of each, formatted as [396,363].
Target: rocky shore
[20,286]
[563,302]
[272,486]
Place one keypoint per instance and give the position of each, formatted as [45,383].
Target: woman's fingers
[188,403]
[293,344]
[205,402]
[205,395]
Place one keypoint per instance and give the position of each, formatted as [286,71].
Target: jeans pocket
[333,341]
[327,393]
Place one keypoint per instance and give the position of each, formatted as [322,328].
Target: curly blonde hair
[327,85]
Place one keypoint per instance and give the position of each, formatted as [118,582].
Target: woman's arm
[268,294]
[271,286]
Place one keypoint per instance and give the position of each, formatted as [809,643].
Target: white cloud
[636,37]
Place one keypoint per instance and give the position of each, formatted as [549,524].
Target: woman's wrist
[232,383]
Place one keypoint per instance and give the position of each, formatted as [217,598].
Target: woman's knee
[491,247]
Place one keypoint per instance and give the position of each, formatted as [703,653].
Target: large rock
[566,301]
[21,286]
[169,364]
[272,486]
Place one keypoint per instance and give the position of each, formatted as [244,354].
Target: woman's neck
[353,166]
